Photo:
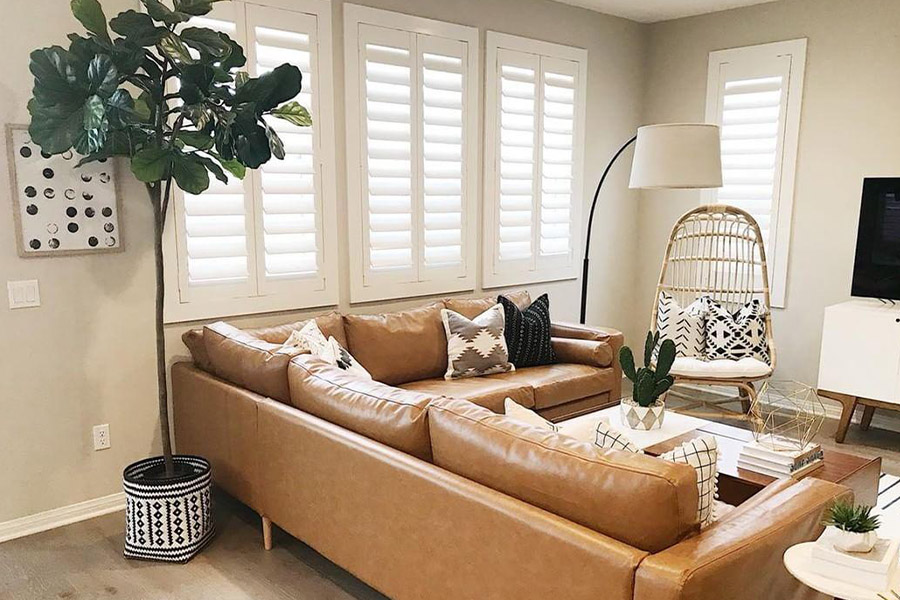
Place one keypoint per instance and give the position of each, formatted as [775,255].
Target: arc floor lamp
[669,156]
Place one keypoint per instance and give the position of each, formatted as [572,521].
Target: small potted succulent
[854,526]
[646,408]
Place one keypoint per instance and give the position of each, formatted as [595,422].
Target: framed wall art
[60,209]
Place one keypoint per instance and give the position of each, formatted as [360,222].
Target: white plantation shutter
[263,243]
[289,203]
[217,230]
[754,95]
[534,139]
[412,191]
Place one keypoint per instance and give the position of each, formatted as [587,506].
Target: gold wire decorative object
[786,415]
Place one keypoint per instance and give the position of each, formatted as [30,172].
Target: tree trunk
[157,200]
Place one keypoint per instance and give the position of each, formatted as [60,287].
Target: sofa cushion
[330,324]
[483,391]
[401,346]
[644,502]
[472,307]
[193,339]
[245,360]
[560,383]
[394,417]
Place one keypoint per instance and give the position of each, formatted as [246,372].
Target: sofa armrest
[582,352]
[740,557]
[574,331]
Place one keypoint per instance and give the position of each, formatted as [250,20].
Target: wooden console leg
[849,408]
[267,533]
[866,421]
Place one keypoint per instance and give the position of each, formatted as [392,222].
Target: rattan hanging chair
[717,251]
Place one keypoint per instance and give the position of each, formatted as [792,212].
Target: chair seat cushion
[720,368]
[483,391]
[560,383]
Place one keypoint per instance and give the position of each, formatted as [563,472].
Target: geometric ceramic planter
[643,417]
[849,541]
[167,518]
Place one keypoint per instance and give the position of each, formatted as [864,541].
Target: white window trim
[177,310]
[783,198]
[354,16]
[496,277]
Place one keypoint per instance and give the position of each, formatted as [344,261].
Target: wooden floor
[84,561]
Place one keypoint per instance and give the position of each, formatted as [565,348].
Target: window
[412,159]
[534,146]
[754,93]
[268,242]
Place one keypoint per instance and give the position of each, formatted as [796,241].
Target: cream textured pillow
[475,346]
[308,338]
[516,411]
[701,453]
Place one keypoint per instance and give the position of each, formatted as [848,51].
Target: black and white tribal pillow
[335,354]
[684,326]
[528,332]
[733,337]
[702,453]
[476,346]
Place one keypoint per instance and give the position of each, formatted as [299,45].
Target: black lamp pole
[587,244]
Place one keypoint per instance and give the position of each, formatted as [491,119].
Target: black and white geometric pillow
[684,326]
[528,332]
[609,438]
[737,336]
[702,453]
[335,354]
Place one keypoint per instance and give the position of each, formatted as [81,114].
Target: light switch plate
[23,294]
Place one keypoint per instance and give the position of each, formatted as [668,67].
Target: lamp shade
[677,156]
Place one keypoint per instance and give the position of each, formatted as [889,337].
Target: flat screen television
[876,269]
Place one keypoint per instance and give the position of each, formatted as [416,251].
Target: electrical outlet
[101,437]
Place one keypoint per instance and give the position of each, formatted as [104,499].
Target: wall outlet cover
[23,294]
[101,437]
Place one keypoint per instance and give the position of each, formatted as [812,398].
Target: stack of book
[787,461]
[872,570]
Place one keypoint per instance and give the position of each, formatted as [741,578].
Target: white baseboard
[63,515]
[889,420]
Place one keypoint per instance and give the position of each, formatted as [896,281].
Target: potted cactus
[854,526]
[646,409]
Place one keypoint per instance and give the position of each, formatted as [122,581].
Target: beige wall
[849,129]
[86,355]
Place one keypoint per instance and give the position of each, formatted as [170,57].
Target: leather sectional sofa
[420,488]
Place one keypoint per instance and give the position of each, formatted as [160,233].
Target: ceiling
[651,11]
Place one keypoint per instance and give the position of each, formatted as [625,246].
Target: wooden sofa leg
[866,421]
[267,533]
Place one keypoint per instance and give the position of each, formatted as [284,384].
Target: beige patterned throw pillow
[475,346]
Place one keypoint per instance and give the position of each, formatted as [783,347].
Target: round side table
[798,561]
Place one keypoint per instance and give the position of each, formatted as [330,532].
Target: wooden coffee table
[736,485]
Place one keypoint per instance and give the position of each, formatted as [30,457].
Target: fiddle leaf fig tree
[169,98]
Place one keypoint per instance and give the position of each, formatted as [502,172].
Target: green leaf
[142,109]
[191,176]
[665,358]
[626,359]
[196,139]
[172,46]
[160,12]
[649,345]
[127,56]
[279,85]
[643,389]
[206,41]
[103,78]
[54,129]
[235,58]
[57,78]
[120,108]
[195,8]
[138,28]
[211,166]
[90,14]
[94,115]
[251,142]
[293,112]
[240,78]
[276,146]
[233,166]
[151,164]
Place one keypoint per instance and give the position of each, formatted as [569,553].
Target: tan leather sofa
[408,349]
[424,496]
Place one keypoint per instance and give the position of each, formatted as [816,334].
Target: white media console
[860,359]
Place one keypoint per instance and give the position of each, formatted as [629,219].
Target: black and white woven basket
[167,519]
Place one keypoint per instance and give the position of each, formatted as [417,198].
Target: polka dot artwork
[61,209]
